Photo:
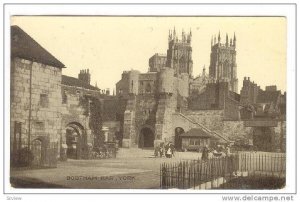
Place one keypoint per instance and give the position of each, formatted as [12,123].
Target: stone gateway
[54,116]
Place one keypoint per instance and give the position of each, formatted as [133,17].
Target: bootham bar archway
[146,137]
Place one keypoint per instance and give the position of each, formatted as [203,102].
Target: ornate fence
[195,173]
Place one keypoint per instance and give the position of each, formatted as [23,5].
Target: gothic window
[176,53]
[226,69]
[182,65]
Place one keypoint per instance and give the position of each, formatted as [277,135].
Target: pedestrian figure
[161,149]
[204,153]
[169,153]
[167,146]
[227,151]
[157,151]
[172,149]
[210,154]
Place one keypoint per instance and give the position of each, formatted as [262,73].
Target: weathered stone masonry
[168,97]
[44,122]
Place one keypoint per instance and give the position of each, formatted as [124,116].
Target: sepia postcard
[163,102]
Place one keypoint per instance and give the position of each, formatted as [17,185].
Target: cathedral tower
[223,62]
[179,53]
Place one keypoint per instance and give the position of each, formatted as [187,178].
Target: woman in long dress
[169,152]
[204,153]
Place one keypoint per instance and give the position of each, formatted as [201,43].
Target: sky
[107,46]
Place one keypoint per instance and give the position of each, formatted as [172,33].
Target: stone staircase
[215,134]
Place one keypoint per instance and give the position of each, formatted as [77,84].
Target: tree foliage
[96,121]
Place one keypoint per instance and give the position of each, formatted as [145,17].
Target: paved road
[133,168]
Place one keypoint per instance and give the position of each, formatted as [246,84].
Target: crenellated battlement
[223,65]
[179,53]
[185,37]
[228,43]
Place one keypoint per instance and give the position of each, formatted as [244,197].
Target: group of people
[167,150]
[217,151]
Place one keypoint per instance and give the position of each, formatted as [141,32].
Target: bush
[254,182]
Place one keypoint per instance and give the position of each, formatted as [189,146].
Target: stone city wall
[129,129]
[164,118]
[235,130]
[147,83]
[76,110]
[181,84]
[45,99]
[212,119]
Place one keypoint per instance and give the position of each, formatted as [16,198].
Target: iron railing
[195,174]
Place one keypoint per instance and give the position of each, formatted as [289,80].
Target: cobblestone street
[133,168]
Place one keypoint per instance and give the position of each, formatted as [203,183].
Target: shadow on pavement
[32,183]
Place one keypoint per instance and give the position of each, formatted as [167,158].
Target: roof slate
[196,132]
[268,96]
[71,81]
[23,46]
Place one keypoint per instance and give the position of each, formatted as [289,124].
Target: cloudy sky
[110,45]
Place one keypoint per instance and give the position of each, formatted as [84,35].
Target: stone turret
[166,80]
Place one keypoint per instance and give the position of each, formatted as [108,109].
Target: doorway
[146,138]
